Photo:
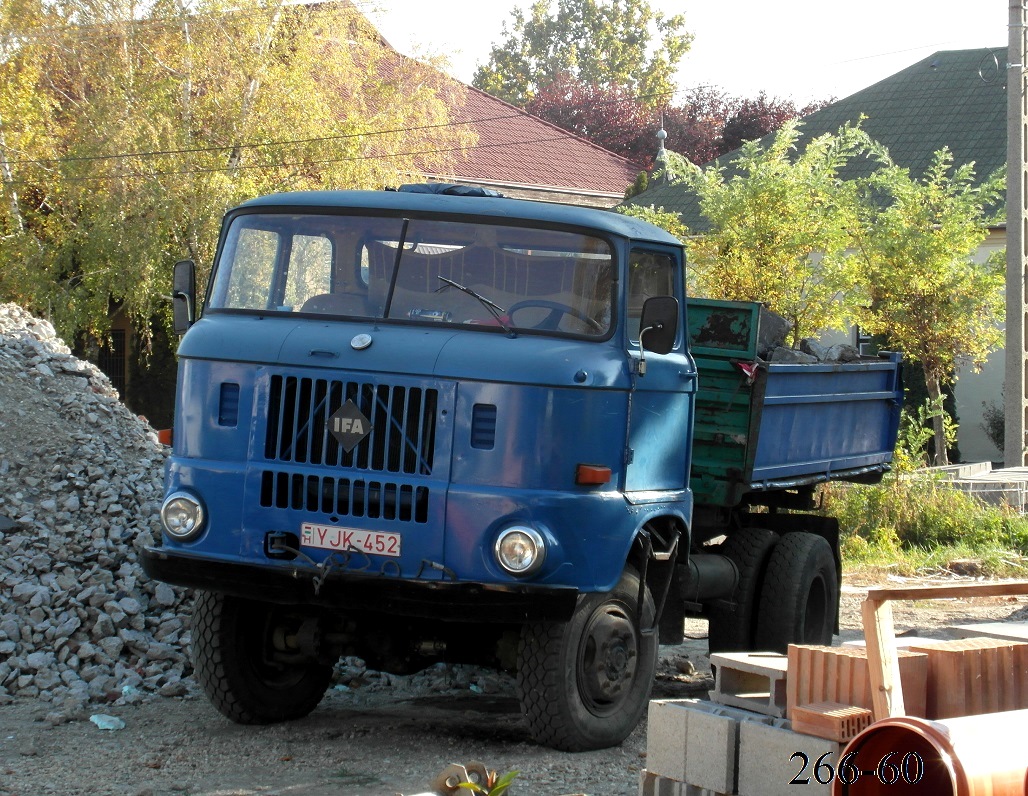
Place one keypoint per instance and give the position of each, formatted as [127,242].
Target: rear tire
[732,626]
[800,596]
[585,683]
[242,673]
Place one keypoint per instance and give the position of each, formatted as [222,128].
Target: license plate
[330,537]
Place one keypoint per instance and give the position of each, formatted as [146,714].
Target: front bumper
[289,583]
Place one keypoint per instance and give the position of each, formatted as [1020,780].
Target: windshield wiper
[494,309]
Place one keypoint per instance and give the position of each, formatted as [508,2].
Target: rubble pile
[80,490]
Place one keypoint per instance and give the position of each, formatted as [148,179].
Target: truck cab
[418,427]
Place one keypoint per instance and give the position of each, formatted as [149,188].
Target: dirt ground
[390,739]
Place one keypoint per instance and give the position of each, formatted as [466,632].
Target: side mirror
[659,324]
[183,295]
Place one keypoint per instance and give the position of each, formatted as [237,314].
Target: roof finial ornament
[661,168]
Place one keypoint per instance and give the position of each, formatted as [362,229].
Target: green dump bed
[762,426]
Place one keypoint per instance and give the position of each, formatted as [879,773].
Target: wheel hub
[609,657]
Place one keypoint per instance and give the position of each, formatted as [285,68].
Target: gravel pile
[81,625]
[80,488]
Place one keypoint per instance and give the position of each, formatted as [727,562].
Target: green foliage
[916,240]
[916,432]
[126,131]
[665,219]
[494,784]
[623,43]
[780,228]
[915,519]
[914,514]
[642,183]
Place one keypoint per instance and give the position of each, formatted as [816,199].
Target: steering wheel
[557,311]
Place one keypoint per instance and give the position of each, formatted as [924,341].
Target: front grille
[403,420]
[344,496]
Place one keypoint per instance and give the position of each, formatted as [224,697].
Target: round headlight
[182,516]
[520,550]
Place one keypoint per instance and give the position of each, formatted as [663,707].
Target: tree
[694,127]
[751,119]
[659,216]
[126,130]
[709,123]
[607,43]
[780,227]
[608,116]
[927,297]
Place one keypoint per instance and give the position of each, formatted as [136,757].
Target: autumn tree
[707,122]
[780,227]
[608,116]
[622,44]
[695,124]
[753,118]
[127,129]
[928,298]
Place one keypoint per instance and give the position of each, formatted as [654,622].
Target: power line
[516,114]
[302,163]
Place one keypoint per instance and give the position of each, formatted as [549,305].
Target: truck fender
[654,554]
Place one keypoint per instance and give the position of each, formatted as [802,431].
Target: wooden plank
[957,590]
[883,662]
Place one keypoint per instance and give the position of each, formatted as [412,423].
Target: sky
[793,49]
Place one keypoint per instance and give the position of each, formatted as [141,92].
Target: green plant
[916,432]
[494,785]
[912,521]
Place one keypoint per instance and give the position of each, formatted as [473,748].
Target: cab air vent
[483,426]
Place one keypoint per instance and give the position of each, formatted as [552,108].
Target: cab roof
[437,205]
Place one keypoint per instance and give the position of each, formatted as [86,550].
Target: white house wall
[973,391]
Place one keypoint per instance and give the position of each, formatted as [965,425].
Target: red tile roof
[517,148]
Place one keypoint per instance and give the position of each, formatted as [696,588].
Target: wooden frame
[880,635]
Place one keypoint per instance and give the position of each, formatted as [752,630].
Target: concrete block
[695,742]
[774,760]
[712,744]
[666,724]
[651,784]
[751,680]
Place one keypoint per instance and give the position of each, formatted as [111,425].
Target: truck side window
[649,274]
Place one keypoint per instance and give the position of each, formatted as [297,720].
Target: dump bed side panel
[777,426]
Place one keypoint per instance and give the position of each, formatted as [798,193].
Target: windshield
[438,272]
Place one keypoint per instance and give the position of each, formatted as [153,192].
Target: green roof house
[954,98]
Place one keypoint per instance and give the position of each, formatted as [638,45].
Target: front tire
[239,662]
[585,683]
[800,595]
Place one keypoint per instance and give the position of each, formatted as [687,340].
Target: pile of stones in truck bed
[80,489]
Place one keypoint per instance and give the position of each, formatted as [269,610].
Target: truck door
[661,400]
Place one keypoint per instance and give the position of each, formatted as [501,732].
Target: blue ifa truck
[419,427]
